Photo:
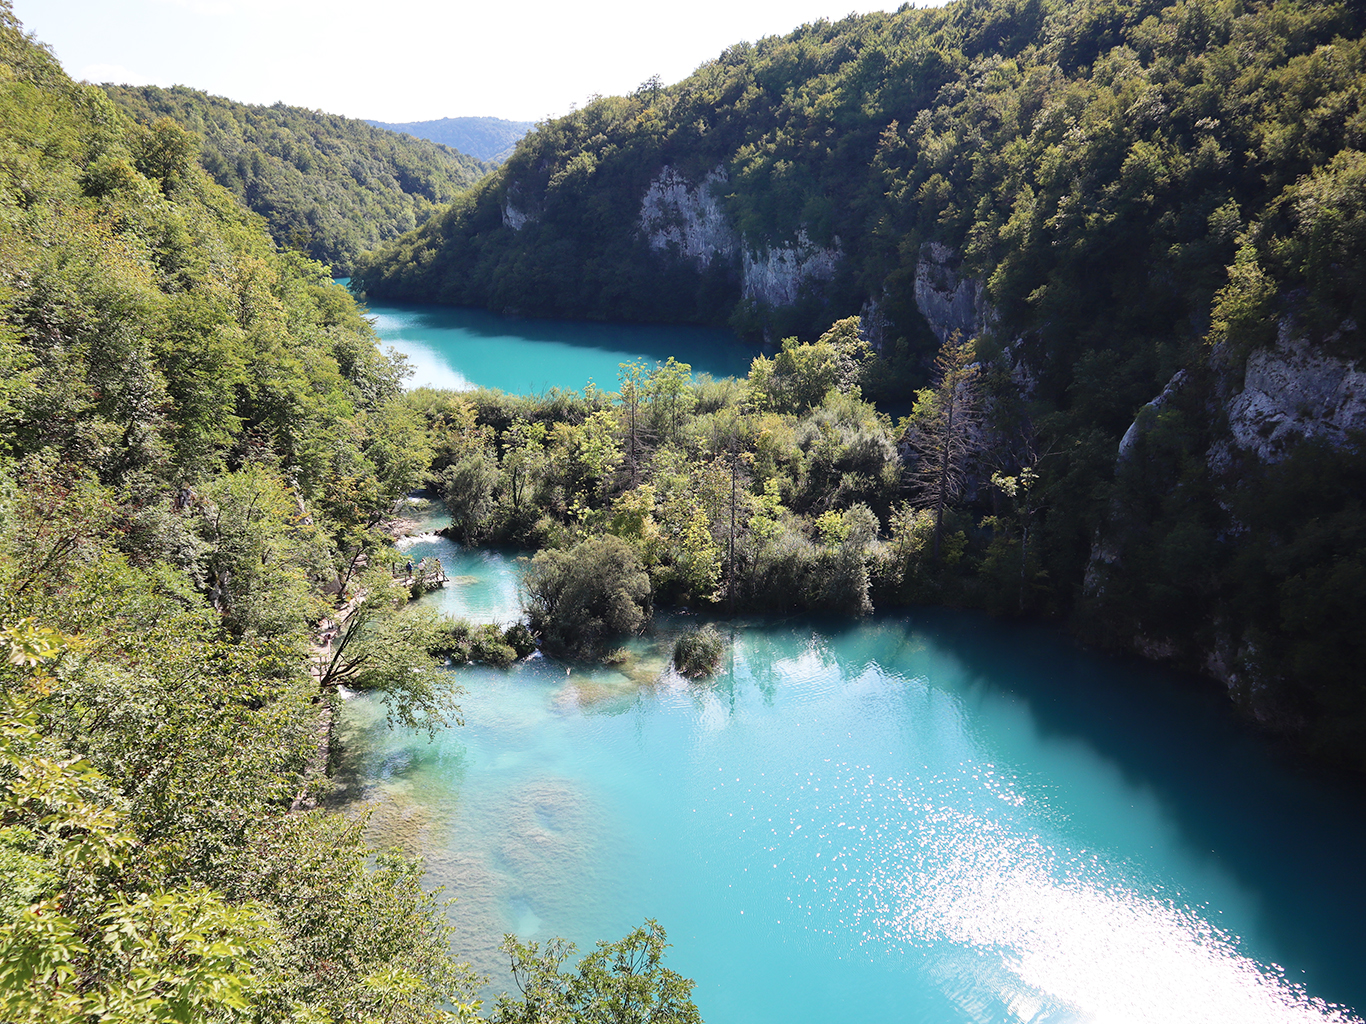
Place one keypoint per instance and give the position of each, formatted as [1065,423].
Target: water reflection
[927,818]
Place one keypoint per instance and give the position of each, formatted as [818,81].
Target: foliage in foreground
[618,983]
[198,441]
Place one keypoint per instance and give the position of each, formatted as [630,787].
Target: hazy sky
[408,60]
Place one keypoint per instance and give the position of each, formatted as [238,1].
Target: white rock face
[513,217]
[1135,431]
[872,324]
[685,218]
[775,276]
[676,214]
[947,300]
[1291,392]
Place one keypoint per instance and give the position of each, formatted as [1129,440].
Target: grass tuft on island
[697,653]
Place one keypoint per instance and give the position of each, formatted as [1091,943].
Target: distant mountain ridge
[332,186]
[488,138]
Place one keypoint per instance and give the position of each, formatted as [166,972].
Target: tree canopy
[198,438]
[1126,198]
[328,186]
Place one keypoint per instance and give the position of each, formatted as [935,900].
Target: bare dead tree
[945,431]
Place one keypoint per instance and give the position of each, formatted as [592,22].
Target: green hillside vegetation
[329,186]
[776,493]
[488,138]
[1094,162]
[198,441]
[1140,189]
[782,492]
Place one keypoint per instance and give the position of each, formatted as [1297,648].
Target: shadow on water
[1282,829]
[1118,753]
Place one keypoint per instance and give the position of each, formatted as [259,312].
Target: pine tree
[945,430]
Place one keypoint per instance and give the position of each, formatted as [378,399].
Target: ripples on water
[851,826]
[1017,929]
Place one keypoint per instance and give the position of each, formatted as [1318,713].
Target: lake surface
[918,818]
[451,347]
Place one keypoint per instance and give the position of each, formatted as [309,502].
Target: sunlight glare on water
[459,349]
[892,821]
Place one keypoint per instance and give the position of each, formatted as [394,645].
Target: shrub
[697,652]
[520,638]
[454,642]
[581,599]
[487,646]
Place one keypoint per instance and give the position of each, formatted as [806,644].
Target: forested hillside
[488,138]
[1147,220]
[329,186]
[198,439]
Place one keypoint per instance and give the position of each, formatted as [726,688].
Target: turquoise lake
[451,347]
[930,817]
[927,818]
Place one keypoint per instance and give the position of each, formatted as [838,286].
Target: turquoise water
[450,347]
[919,818]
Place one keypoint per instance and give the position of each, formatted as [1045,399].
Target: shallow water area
[483,582]
[923,818]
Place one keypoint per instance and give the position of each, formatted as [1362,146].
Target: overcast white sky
[408,60]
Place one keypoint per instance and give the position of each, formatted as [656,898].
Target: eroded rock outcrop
[1108,546]
[775,275]
[514,216]
[947,299]
[687,218]
[1144,420]
[1291,392]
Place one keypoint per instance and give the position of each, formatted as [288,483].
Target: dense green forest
[199,440]
[1112,200]
[780,492]
[329,186]
[488,138]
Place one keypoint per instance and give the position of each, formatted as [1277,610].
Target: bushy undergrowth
[460,643]
[697,652]
[783,491]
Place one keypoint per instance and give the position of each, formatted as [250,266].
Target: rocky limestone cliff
[947,300]
[1144,419]
[775,276]
[954,304]
[1107,547]
[513,216]
[1292,392]
[688,219]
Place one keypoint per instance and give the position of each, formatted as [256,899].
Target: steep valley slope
[1152,221]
